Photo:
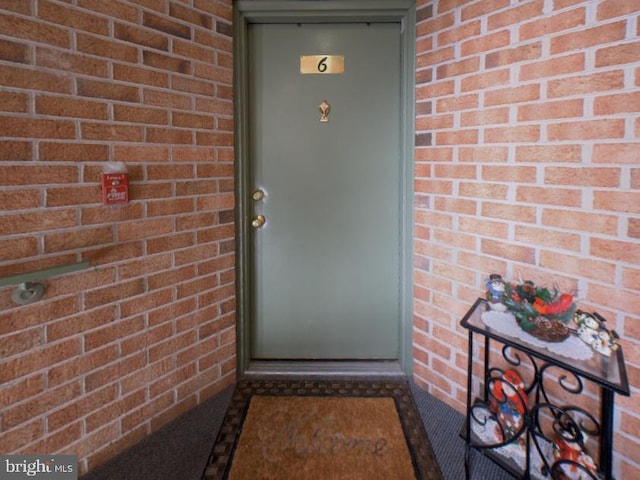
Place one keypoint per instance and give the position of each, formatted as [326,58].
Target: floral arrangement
[543,312]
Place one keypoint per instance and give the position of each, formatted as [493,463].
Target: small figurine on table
[495,291]
[508,402]
[575,461]
[593,332]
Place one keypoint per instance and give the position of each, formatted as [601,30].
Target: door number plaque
[321,64]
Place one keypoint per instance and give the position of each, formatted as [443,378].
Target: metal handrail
[43,274]
[31,284]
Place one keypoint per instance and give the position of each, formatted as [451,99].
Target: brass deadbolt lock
[258,221]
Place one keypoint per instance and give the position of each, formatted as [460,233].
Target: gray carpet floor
[179,451]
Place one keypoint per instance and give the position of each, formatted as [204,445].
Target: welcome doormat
[322,430]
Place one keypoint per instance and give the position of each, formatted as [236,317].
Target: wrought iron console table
[555,395]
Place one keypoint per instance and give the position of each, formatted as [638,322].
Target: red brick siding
[114,352]
[525,113]
[527,163]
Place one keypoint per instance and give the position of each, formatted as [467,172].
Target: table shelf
[523,427]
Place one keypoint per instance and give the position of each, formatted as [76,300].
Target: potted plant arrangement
[540,311]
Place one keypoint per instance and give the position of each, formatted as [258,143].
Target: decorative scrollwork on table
[514,357]
[568,380]
[560,436]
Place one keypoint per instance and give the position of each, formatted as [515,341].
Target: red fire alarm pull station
[115,184]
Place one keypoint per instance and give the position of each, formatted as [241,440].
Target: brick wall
[114,352]
[527,163]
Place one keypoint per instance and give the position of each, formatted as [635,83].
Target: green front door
[326,264]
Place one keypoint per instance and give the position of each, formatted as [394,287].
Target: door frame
[291,11]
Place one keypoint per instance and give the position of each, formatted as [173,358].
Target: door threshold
[332,368]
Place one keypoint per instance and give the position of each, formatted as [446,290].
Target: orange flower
[541,307]
[559,306]
[562,305]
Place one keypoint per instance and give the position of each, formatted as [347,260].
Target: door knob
[258,221]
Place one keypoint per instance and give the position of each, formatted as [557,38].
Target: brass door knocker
[325,109]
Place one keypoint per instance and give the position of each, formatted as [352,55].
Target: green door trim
[291,11]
